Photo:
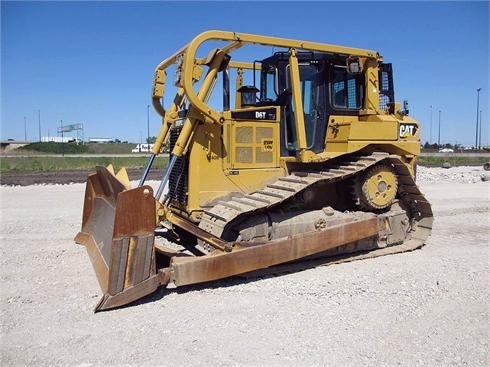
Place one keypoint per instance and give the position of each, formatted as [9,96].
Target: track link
[216,219]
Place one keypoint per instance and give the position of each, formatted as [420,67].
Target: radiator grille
[254,145]
[263,133]
[263,157]
[244,155]
[244,134]
[178,185]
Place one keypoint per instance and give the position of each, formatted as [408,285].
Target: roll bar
[237,40]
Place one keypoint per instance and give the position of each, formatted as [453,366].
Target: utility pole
[479,140]
[430,139]
[62,150]
[477,111]
[25,129]
[148,125]
[439,136]
[39,120]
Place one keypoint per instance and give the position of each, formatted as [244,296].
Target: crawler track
[224,213]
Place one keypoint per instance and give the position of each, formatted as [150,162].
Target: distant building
[59,139]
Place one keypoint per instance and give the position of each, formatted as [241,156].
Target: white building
[59,139]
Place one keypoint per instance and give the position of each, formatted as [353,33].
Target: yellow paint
[228,155]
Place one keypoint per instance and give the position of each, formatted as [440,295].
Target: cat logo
[407,130]
[267,145]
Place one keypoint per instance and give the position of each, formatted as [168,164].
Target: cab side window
[345,90]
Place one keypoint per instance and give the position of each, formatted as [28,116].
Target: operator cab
[326,88]
[330,84]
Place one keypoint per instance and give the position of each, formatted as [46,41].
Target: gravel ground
[424,308]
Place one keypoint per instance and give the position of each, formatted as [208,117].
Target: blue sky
[93,62]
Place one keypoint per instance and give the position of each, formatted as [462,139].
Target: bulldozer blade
[118,232]
[189,270]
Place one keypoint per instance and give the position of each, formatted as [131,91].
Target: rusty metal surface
[190,227]
[129,294]
[118,232]
[97,227]
[241,260]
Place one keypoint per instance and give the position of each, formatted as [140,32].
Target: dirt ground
[62,177]
[424,308]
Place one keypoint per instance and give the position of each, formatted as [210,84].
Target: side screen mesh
[386,90]
[178,185]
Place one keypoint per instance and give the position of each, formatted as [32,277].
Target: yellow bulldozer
[286,151]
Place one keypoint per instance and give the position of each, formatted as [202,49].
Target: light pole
[477,110]
[439,136]
[39,121]
[62,150]
[479,140]
[148,125]
[430,135]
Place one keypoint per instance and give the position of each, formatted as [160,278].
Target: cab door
[312,86]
